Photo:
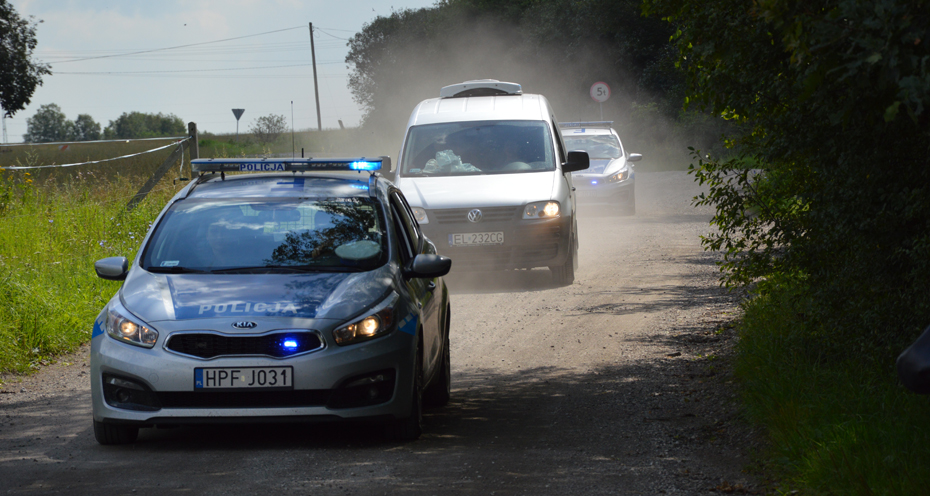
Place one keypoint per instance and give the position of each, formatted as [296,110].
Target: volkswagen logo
[474,215]
[245,325]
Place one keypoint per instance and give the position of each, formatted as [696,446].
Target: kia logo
[474,216]
[245,325]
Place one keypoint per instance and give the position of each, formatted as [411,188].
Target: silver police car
[288,295]
[610,182]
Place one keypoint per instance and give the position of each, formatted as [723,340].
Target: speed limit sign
[600,92]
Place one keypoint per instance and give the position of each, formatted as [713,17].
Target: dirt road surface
[612,385]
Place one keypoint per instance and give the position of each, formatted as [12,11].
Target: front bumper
[317,393]
[596,191]
[528,243]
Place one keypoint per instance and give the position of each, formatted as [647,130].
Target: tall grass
[54,224]
[837,423]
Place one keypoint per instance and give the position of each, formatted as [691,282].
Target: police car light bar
[290,164]
[595,124]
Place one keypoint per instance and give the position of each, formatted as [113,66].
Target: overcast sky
[91,43]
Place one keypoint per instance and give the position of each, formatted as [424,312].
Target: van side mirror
[577,161]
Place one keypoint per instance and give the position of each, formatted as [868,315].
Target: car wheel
[440,391]
[629,207]
[114,433]
[564,274]
[410,428]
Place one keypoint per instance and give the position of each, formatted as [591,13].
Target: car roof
[480,108]
[282,185]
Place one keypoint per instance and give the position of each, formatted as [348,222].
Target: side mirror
[112,268]
[428,266]
[634,157]
[577,161]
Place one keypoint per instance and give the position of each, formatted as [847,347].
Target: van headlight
[541,210]
[129,330]
[378,322]
[420,215]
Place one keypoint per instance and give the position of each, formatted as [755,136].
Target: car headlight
[420,215]
[129,330]
[541,210]
[377,323]
[619,176]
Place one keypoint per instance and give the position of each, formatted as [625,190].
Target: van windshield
[478,147]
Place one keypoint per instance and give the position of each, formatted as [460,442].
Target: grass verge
[50,236]
[836,423]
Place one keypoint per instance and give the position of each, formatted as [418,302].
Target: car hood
[159,297]
[478,191]
[610,166]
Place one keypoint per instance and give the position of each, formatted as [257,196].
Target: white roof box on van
[480,87]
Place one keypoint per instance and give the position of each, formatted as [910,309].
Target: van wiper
[174,270]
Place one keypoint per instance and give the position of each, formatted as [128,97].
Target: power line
[178,46]
[187,70]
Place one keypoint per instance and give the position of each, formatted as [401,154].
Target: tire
[410,428]
[439,392]
[564,275]
[114,433]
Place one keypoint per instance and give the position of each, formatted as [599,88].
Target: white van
[486,172]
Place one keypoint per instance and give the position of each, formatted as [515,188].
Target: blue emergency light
[290,164]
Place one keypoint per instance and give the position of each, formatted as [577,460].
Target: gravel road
[616,384]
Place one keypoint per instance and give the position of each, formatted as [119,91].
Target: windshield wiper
[285,268]
[174,270]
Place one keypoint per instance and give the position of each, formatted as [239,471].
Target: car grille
[488,214]
[212,345]
[244,399]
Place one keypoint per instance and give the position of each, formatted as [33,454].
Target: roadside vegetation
[828,228]
[52,229]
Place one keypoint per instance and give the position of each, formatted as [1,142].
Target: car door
[423,290]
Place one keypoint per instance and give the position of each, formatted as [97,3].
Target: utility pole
[293,145]
[3,117]
[316,88]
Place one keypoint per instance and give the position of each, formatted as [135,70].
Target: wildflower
[50,221]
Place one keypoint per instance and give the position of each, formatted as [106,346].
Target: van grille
[488,214]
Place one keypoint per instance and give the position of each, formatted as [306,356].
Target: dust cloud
[414,70]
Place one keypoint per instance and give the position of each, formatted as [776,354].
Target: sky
[187,69]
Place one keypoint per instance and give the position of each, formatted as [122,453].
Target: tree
[49,124]
[267,129]
[831,188]
[20,74]
[131,125]
[85,128]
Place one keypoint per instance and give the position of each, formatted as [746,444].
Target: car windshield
[210,235]
[598,146]
[480,147]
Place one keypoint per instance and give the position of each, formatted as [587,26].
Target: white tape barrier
[6,145]
[179,143]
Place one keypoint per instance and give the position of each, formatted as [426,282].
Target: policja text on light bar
[290,164]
